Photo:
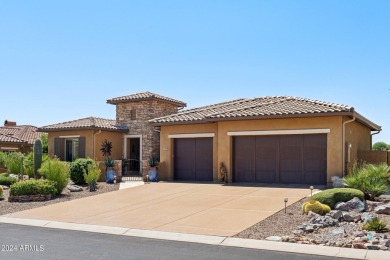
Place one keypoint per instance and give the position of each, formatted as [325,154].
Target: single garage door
[299,159]
[193,159]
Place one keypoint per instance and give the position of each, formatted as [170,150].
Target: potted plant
[153,170]
[109,162]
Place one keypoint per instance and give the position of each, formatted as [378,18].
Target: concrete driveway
[208,209]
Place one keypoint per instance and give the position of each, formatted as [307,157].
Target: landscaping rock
[359,233]
[298,232]
[372,247]
[309,228]
[5,187]
[371,205]
[359,245]
[366,217]
[351,216]
[74,188]
[326,221]
[337,182]
[354,204]
[312,214]
[274,238]
[338,231]
[385,209]
[336,214]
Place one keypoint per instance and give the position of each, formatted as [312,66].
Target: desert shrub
[332,196]
[4,174]
[3,155]
[1,192]
[370,179]
[28,164]
[77,169]
[92,174]
[375,224]
[7,181]
[13,162]
[33,187]
[316,207]
[56,171]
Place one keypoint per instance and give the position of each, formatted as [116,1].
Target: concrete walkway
[204,209]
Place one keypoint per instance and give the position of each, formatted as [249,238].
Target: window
[71,149]
[133,114]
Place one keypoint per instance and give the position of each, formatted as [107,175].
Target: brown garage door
[297,159]
[193,159]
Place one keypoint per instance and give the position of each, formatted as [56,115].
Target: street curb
[206,239]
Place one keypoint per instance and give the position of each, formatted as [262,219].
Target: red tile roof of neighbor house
[146,96]
[88,123]
[262,108]
[19,134]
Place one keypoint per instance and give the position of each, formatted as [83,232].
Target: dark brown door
[193,159]
[298,159]
[314,159]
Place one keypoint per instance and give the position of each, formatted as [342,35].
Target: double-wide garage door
[193,159]
[299,159]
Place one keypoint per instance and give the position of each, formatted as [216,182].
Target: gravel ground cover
[283,224]
[10,207]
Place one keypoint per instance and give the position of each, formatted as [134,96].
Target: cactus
[316,207]
[37,157]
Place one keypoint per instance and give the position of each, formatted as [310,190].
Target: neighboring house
[266,140]
[17,138]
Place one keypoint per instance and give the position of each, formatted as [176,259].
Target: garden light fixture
[285,205]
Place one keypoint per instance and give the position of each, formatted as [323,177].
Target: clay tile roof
[95,123]
[146,96]
[263,107]
[19,134]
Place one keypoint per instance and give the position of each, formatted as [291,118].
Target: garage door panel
[266,149]
[315,159]
[193,159]
[184,159]
[244,161]
[290,160]
[204,159]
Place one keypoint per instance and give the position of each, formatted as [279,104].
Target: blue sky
[61,60]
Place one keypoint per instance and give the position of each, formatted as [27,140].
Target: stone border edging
[206,239]
[28,198]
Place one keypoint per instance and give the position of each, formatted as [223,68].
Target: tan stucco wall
[223,143]
[359,136]
[165,169]
[91,146]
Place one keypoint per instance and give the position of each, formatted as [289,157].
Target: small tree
[380,146]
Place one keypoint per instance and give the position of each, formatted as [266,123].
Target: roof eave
[367,122]
[114,102]
[45,130]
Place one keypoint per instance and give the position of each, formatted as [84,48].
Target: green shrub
[1,192]
[56,171]
[5,174]
[93,173]
[33,187]
[332,196]
[3,156]
[28,164]
[375,224]
[370,179]
[77,170]
[7,181]
[380,146]
[13,162]
[316,207]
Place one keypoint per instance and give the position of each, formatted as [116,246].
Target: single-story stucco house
[17,138]
[278,139]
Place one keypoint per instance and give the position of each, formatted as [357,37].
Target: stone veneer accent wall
[145,110]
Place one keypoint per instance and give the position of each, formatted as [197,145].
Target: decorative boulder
[74,188]
[337,182]
[385,209]
[336,214]
[5,187]
[354,204]
[366,217]
[351,216]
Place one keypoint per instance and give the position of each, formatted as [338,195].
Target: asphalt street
[25,242]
